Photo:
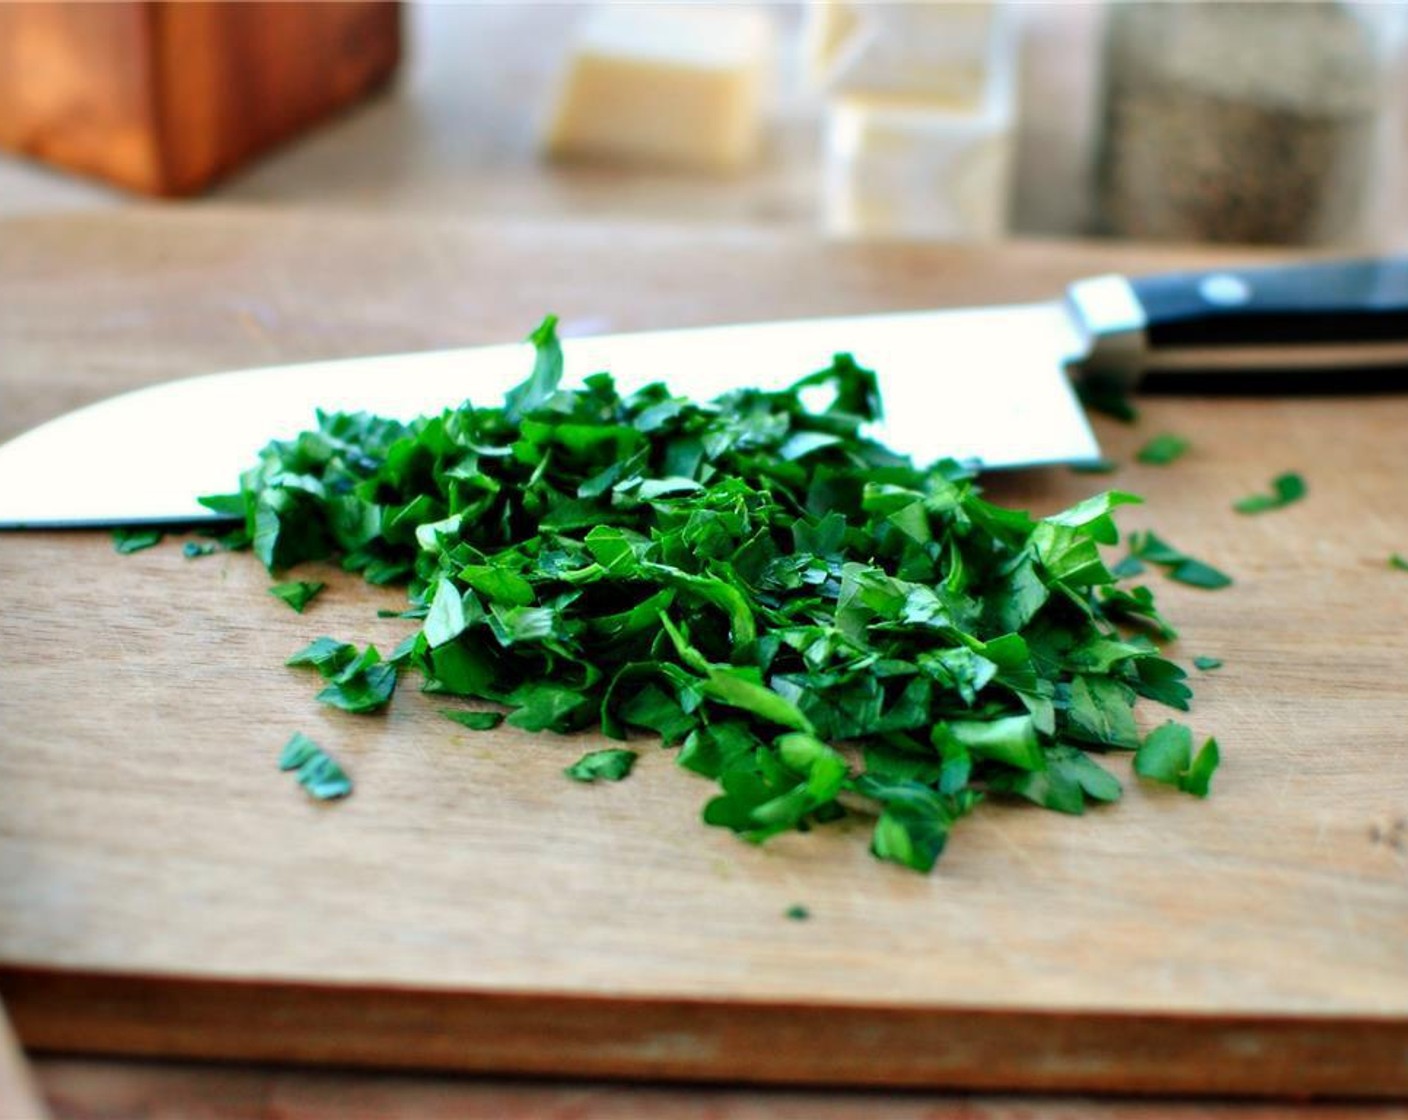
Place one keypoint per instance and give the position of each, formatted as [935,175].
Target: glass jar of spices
[1247,122]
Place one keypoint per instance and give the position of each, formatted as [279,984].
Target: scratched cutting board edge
[157,871]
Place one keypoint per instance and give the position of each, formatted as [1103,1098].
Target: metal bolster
[1110,316]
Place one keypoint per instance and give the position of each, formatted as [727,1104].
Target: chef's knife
[984,384]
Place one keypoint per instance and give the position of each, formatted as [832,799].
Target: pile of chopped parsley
[808,619]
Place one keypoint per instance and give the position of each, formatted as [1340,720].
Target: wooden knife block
[165,98]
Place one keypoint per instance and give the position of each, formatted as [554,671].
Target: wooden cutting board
[165,890]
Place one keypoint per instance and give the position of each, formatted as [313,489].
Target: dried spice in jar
[1250,122]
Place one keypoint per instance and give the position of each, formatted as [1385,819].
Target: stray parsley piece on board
[1107,395]
[1206,663]
[1285,489]
[328,655]
[475,721]
[1166,755]
[317,771]
[610,765]
[1178,565]
[1399,562]
[193,549]
[127,541]
[297,593]
[797,912]
[1163,449]
[812,623]
[357,682]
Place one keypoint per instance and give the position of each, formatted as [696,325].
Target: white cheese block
[936,51]
[668,85]
[907,169]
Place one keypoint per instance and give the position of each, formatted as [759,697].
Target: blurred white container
[933,161]
[937,52]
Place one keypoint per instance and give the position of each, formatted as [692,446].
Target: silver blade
[984,384]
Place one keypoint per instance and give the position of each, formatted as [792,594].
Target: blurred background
[1273,123]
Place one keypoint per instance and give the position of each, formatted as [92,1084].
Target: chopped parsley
[356,681]
[811,622]
[1285,489]
[1163,449]
[1166,755]
[128,541]
[1399,562]
[1206,663]
[316,770]
[297,593]
[475,721]
[610,765]
[1178,565]
[1108,395]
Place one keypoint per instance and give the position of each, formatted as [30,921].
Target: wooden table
[93,305]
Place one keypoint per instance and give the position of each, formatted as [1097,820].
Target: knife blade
[982,384]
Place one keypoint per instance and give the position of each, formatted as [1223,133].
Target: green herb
[1163,449]
[1107,395]
[127,541]
[297,594]
[1399,562]
[1166,755]
[357,682]
[317,771]
[1178,565]
[325,654]
[797,912]
[610,765]
[475,721]
[1285,489]
[193,549]
[1206,663]
[752,580]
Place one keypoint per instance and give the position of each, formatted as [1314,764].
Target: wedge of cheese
[666,85]
[921,118]
[938,52]
[897,168]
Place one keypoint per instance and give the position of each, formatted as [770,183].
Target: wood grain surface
[107,1089]
[164,890]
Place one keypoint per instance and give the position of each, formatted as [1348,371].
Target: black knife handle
[1358,301]
[1318,327]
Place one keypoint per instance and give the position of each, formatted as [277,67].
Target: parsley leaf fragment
[297,593]
[1166,755]
[1206,663]
[1398,561]
[1109,395]
[127,541]
[1285,489]
[1163,449]
[317,771]
[358,682]
[1179,566]
[475,721]
[610,765]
